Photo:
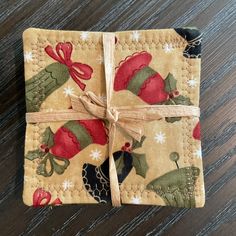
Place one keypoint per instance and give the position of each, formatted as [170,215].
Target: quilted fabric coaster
[68,161]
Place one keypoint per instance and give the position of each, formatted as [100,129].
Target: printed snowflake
[198,153]
[168,47]
[95,154]
[84,36]
[136,200]
[67,184]
[192,83]
[135,36]
[28,57]
[100,59]
[68,91]
[160,137]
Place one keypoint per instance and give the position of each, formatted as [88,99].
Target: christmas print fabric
[66,162]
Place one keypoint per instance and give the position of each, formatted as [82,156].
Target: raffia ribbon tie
[123,117]
[129,118]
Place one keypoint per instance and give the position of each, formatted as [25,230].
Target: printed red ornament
[56,149]
[135,75]
[42,197]
[76,135]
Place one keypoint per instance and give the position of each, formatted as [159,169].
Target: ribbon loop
[66,49]
[77,70]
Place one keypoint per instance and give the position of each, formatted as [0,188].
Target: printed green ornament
[40,86]
[135,74]
[176,187]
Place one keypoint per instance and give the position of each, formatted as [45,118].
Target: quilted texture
[66,162]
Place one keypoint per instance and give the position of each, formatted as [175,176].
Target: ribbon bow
[76,69]
[128,118]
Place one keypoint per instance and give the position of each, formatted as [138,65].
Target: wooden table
[216,19]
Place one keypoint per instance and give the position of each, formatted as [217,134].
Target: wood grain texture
[216,19]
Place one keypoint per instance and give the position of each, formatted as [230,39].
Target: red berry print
[127,144]
[176,93]
[126,147]
[43,146]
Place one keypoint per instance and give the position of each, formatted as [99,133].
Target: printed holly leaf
[31,155]
[171,119]
[120,164]
[140,164]
[136,144]
[48,137]
[182,100]
[170,83]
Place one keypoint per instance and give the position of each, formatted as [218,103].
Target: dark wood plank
[216,18]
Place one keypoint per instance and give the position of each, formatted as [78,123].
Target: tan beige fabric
[163,138]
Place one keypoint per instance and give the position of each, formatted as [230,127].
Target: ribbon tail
[82,71]
[94,98]
[81,84]
[114,183]
[133,129]
[49,50]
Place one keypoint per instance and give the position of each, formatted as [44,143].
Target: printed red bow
[42,198]
[63,55]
